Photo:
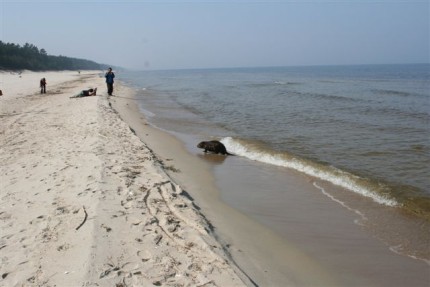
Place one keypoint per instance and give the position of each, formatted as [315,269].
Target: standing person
[109,81]
[43,86]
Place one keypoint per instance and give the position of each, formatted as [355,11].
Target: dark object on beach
[85,218]
[214,146]
[1,93]
[89,93]
[43,86]
[109,81]
[86,93]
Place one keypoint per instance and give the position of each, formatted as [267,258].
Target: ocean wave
[282,83]
[393,93]
[327,173]
[328,97]
[272,84]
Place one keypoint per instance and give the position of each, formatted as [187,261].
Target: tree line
[30,57]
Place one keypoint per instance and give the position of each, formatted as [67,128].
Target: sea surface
[364,128]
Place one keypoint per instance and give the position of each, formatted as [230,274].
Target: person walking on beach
[109,81]
[43,86]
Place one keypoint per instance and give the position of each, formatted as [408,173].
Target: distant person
[86,93]
[109,81]
[1,93]
[43,86]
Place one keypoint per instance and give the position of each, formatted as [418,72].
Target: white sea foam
[330,174]
[281,83]
[363,217]
[399,250]
[147,112]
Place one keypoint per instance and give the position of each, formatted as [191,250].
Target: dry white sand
[84,202]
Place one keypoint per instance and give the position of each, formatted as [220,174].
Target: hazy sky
[209,34]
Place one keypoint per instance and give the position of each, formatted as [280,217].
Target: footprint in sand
[107,228]
[63,247]
[144,255]
[38,219]
[62,210]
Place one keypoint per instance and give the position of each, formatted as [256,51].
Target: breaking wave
[362,186]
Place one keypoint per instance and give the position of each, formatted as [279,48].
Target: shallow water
[311,164]
[363,128]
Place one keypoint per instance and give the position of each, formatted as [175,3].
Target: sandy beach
[94,195]
[84,202]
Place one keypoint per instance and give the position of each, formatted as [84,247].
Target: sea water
[364,128]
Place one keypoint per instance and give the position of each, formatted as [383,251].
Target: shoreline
[122,202]
[265,257]
[315,245]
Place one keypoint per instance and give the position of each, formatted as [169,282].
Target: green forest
[30,57]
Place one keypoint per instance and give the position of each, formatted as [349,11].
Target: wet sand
[334,233]
[278,225]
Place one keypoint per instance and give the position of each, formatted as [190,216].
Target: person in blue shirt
[109,81]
